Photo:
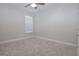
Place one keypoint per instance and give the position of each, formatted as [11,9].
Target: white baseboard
[39,37]
[60,42]
[12,40]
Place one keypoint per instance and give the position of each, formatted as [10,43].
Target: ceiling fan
[34,5]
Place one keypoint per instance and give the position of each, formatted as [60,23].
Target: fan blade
[28,5]
[40,3]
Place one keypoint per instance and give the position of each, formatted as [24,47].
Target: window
[28,24]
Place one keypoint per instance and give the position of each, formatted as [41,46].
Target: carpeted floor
[36,47]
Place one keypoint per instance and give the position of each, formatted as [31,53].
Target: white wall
[58,21]
[12,22]
[0,27]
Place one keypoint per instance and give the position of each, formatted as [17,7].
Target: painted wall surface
[12,22]
[0,27]
[58,22]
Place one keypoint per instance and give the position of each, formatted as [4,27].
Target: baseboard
[39,37]
[12,40]
[60,42]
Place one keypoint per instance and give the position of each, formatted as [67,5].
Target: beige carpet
[36,47]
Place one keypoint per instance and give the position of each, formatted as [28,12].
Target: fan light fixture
[33,5]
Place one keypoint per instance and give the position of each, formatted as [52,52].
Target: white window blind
[28,24]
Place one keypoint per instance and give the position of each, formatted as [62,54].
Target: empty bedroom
[39,29]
